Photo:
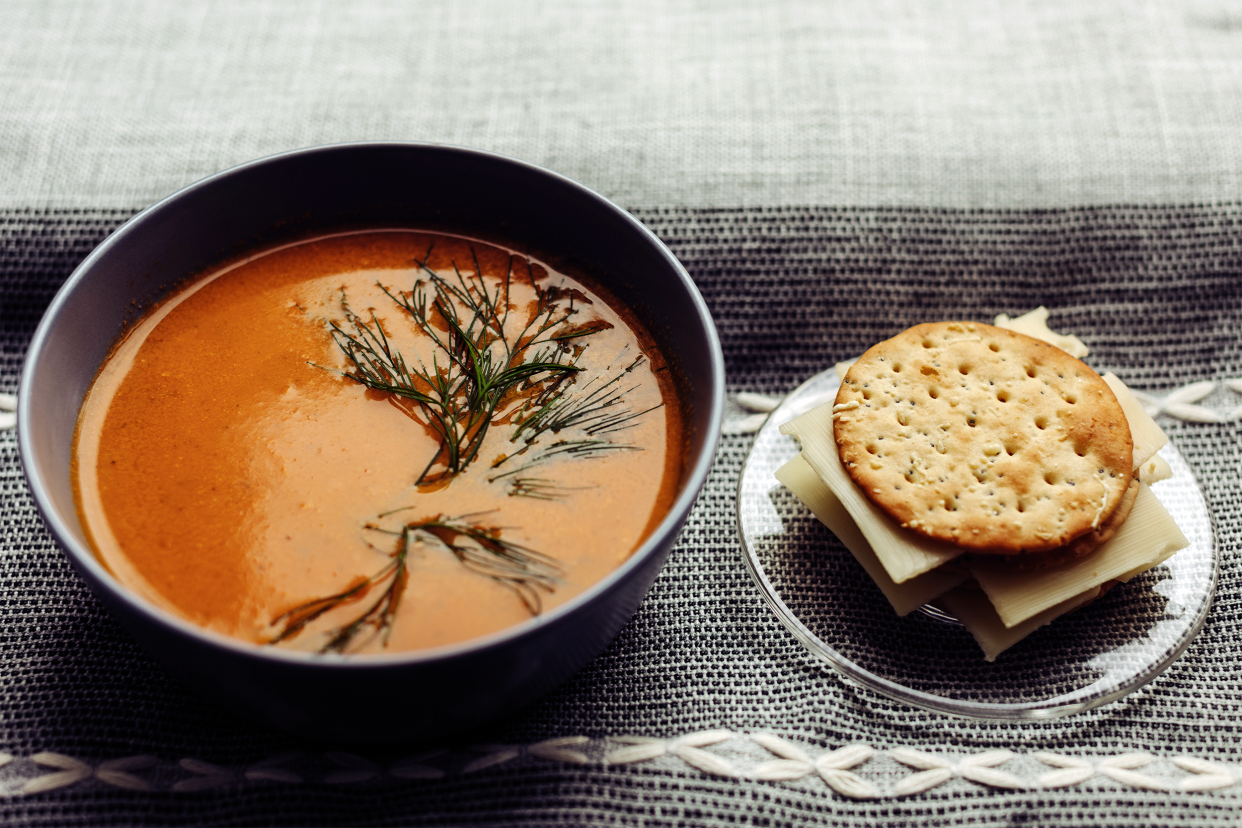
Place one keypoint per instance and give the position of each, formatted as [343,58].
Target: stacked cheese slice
[1007,604]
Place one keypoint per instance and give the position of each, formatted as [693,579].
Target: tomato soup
[376,441]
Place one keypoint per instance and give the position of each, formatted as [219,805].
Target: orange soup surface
[376,441]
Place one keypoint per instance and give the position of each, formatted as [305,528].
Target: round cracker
[1080,546]
[982,437]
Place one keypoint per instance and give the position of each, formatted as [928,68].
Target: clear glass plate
[1084,659]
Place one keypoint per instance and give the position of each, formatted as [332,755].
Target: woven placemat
[704,710]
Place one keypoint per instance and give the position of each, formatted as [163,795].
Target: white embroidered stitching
[115,772]
[8,409]
[207,776]
[273,770]
[793,762]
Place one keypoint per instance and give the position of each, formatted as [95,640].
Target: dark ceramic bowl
[451,688]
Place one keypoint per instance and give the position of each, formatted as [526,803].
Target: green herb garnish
[477,365]
[479,548]
[488,368]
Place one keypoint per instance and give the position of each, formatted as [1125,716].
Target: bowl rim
[82,556]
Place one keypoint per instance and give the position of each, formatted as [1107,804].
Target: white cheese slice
[978,616]
[801,479]
[1148,537]
[1035,324]
[1155,470]
[903,553]
[843,368]
[1148,437]
[1141,568]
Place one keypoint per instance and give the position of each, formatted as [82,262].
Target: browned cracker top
[983,437]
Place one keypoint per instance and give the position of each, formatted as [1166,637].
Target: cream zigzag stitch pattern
[8,411]
[1181,404]
[841,769]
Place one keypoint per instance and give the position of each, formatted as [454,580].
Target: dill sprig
[477,365]
[489,367]
[481,549]
[594,410]
[380,615]
[540,488]
[563,449]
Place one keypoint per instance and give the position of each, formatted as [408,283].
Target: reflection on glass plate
[1082,660]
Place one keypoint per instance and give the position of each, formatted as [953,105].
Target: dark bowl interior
[359,185]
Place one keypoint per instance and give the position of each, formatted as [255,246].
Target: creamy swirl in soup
[376,441]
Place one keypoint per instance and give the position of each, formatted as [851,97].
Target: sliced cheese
[843,368]
[1035,324]
[1148,537]
[1141,568]
[1147,436]
[904,554]
[978,616]
[806,485]
[1155,470]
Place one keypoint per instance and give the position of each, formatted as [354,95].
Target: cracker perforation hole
[1003,396]
[1041,422]
[963,369]
[933,393]
[993,347]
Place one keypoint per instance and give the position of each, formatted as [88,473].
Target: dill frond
[539,488]
[477,364]
[481,549]
[491,365]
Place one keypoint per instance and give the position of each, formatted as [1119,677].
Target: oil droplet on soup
[374,442]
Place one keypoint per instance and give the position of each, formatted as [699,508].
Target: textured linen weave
[1155,291]
[650,102]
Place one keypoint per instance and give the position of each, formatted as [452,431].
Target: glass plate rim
[1018,711]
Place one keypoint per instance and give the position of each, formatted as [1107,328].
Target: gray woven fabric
[1157,294]
[828,172]
[653,103]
